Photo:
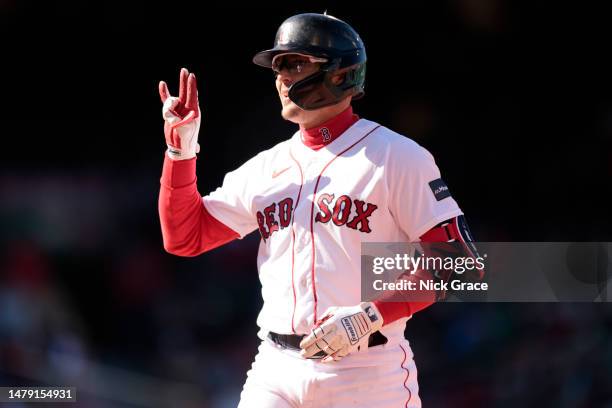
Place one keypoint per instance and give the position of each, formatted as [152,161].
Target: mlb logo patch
[371,314]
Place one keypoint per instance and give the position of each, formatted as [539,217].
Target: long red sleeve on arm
[394,308]
[188,229]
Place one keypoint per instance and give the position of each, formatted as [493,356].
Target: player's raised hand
[341,331]
[181,117]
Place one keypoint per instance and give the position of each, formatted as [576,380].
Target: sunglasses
[293,65]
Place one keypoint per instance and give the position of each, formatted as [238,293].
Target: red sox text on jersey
[342,211]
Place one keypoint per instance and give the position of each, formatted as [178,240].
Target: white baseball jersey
[313,208]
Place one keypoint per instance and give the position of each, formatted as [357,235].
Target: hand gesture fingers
[181,117]
[191,103]
[183,85]
[164,93]
[187,100]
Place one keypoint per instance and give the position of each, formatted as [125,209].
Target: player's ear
[338,79]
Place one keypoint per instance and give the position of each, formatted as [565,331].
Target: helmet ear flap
[353,80]
[350,76]
[338,79]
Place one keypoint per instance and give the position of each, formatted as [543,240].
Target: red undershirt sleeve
[392,310]
[188,229]
[397,305]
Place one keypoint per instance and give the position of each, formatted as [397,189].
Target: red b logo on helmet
[283,36]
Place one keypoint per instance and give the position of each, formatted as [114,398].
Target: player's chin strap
[453,239]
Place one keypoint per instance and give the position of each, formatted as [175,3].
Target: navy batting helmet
[334,42]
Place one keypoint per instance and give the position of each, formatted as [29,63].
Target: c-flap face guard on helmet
[318,90]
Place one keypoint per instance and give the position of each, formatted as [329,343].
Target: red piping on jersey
[297,202]
[407,376]
[314,199]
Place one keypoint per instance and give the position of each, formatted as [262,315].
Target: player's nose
[286,80]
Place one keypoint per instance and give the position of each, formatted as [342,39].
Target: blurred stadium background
[512,98]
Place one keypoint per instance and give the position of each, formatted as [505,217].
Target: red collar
[322,135]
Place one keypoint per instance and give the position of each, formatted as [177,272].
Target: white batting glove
[181,117]
[342,330]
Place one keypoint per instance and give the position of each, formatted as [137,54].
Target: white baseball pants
[382,377]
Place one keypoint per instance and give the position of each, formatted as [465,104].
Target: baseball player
[340,180]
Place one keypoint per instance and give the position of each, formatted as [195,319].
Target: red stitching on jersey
[407,375]
[314,199]
[297,202]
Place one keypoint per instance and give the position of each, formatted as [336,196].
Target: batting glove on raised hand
[342,330]
[181,117]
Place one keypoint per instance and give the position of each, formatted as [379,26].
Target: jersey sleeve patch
[439,189]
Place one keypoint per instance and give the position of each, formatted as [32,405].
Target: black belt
[292,341]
